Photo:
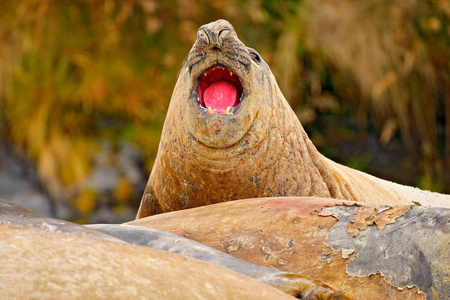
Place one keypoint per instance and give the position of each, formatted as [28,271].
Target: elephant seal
[18,215]
[364,251]
[230,134]
[37,264]
[44,258]
[292,284]
[46,232]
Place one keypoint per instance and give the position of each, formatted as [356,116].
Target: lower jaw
[229,111]
[217,130]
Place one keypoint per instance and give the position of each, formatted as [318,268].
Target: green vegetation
[75,73]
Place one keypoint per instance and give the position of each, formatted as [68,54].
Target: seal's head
[222,74]
[226,128]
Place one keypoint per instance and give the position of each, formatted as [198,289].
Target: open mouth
[219,90]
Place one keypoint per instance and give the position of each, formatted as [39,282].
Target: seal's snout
[217,109]
[219,86]
[215,34]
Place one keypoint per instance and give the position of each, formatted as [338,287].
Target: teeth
[210,111]
[228,110]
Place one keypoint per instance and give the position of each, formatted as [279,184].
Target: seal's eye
[254,55]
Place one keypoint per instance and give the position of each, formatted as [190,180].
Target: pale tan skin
[38,264]
[261,150]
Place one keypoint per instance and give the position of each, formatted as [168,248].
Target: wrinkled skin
[258,150]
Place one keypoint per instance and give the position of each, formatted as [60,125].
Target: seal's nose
[214,35]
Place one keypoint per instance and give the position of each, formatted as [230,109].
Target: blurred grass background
[369,80]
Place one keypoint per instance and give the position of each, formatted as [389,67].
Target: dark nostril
[212,36]
[203,36]
[222,33]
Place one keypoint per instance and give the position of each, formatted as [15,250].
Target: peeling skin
[409,245]
[258,150]
[347,252]
[298,240]
[366,217]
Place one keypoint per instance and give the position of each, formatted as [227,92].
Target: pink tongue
[220,95]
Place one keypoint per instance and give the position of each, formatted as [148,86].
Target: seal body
[293,284]
[364,251]
[230,134]
[43,258]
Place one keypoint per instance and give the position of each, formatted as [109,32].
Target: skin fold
[259,149]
